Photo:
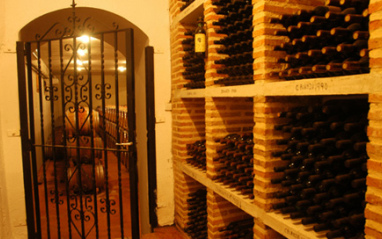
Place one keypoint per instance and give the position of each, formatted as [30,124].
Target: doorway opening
[78,71]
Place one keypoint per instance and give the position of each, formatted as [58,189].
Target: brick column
[261,231]
[373,211]
[375,40]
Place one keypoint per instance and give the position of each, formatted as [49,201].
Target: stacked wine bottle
[196,226]
[236,163]
[198,152]
[193,63]
[242,229]
[330,40]
[186,4]
[324,180]
[237,65]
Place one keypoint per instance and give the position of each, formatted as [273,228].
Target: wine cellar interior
[276,127]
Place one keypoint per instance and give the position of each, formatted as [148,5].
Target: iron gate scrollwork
[77,104]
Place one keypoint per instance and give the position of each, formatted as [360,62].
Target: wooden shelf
[289,228]
[194,93]
[233,91]
[190,14]
[339,85]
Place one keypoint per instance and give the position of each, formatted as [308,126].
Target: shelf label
[312,86]
[291,234]
[191,93]
[227,91]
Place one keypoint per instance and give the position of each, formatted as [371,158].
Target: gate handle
[123,144]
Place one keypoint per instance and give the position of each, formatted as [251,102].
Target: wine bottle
[200,39]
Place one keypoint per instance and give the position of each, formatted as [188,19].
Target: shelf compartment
[291,229]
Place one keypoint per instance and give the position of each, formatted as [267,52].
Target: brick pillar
[375,40]
[177,53]
[220,214]
[188,126]
[265,58]
[174,8]
[373,211]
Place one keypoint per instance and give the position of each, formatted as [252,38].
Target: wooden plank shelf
[233,91]
[194,93]
[190,14]
[289,228]
[339,85]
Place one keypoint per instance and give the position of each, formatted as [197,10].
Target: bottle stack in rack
[297,51]
[324,178]
[198,152]
[236,66]
[327,41]
[197,214]
[236,160]
[115,127]
[242,229]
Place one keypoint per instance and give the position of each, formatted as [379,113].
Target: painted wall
[152,17]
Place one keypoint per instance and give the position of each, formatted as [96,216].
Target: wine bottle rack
[197,151]
[108,124]
[272,95]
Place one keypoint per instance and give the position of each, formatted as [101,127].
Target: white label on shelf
[311,86]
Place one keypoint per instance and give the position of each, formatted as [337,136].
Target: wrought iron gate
[78,132]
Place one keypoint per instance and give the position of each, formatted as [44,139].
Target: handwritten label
[191,93]
[312,86]
[227,91]
[292,234]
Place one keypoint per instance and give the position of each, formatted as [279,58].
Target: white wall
[151,16]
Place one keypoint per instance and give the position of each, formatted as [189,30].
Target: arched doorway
[78,111]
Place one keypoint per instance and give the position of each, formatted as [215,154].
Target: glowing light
[121,68]
[82,52]
[84,38]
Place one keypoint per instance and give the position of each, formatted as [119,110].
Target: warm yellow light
[82,52]
[122,68]
[84,38]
